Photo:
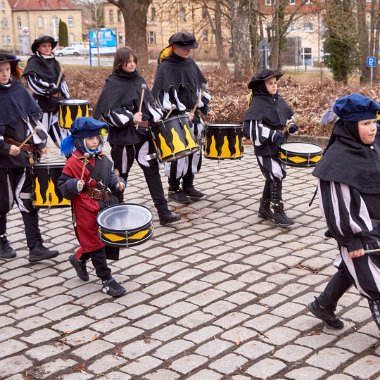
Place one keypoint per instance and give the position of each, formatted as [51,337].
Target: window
[4,23]
[269,2]
[205,35]
[3,41]
[306,56]
[3,5]
[70,21]
[182,14]
[291,27]
[110,13]
[40,22]
[119,16]
[308,27]
[151,37]
[308,1]
[8,40]
[19,22]
[292,2]
[153,14]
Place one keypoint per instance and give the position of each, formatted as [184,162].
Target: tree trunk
[363,41]
[240,39]
[135,23]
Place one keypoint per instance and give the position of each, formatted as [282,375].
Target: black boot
[40,252]
[80,268]
[278,215]
[328,316]
[264,209]
[169,217]
[6,251]
[189,189]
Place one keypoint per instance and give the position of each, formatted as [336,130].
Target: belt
[98,194]
[27,147]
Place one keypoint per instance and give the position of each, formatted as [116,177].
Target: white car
[68,50]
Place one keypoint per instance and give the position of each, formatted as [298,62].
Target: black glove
[293,129]
[278,139]
[53,90]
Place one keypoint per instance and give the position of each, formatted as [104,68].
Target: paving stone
[114,376]
[308,373]
[104,310]
[195,319]
[106,363]
[40,353]
[33,323]
[364,368]
[40,336]
[81,337]
[14,364]
[179,309]
[329,358]
[203,334]
[231,320]
[172,348]
[188,363]
[162,374]
[62,312]
[280,335]
[205,374]
[73,323]
[266,367]
[254,349]
[141,365]
[52,367]
[152,321]
[214,348]
[292,353]
[9,332]
[168,299]
[92,349]
[123,334]
[228,364]
[11,347]
[356,342]
[168,333]
[139,348]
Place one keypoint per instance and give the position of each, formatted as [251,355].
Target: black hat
[12,59]
[183,39]
[41,40]
[356,107]
[264,75]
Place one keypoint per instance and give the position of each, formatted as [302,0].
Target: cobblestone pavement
[220,295]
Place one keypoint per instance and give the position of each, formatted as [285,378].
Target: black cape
[347,160]
[124,90]
[16,102]
[181,73]
[272,110]
[47,69]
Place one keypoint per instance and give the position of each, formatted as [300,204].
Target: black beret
[183,39]
[356,107]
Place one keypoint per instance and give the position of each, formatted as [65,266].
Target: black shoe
[6,251]
[168,218]
[40,252]
[326,315]
[279,216]
[264,209]
[113,288]
[80,267]
[193,193]
[179,197]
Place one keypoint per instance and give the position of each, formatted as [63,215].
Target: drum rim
[162,121]
[223,125]
[302,142]
[57,164]
[73,101]
[144,226]
[126,244]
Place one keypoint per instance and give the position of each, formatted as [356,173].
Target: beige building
[27,20]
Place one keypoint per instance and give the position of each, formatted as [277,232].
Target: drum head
[301,148]
[224,126]
[76,102]
[124,217]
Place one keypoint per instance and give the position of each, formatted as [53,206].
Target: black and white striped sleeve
[345,212]
[119,118]
[259,133]
[37,85]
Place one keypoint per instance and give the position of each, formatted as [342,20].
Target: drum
[70,109]
[223,141]
[125,225]
[45,191]
[300,154]
[173,138]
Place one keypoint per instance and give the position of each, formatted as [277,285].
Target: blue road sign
[371,61]
[107,37]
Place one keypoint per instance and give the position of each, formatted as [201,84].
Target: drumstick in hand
[172,107]
[117,174]
[37,130]
[59,77]
[203,88]
[86,156]
[143,87]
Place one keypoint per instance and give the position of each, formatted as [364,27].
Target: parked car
[68,50]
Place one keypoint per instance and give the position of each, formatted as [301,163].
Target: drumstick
[37,130]
[372,250]
[143,87]
[86,156]
[203,87]
[59,77]
[172,107]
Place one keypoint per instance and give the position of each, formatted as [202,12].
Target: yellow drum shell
[70,109]
[299,154]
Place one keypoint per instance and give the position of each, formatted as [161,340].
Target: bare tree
[135,21]
[363,40]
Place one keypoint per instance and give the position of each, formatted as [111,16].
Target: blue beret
[356,107]
[86,127]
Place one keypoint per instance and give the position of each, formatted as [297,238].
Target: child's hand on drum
[14,150]
[190,115]
[80,185]
[43,151]
[211,115]
[120,186]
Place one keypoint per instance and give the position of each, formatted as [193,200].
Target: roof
[38,5]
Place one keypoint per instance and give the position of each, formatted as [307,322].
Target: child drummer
[265,124]
[86,179]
